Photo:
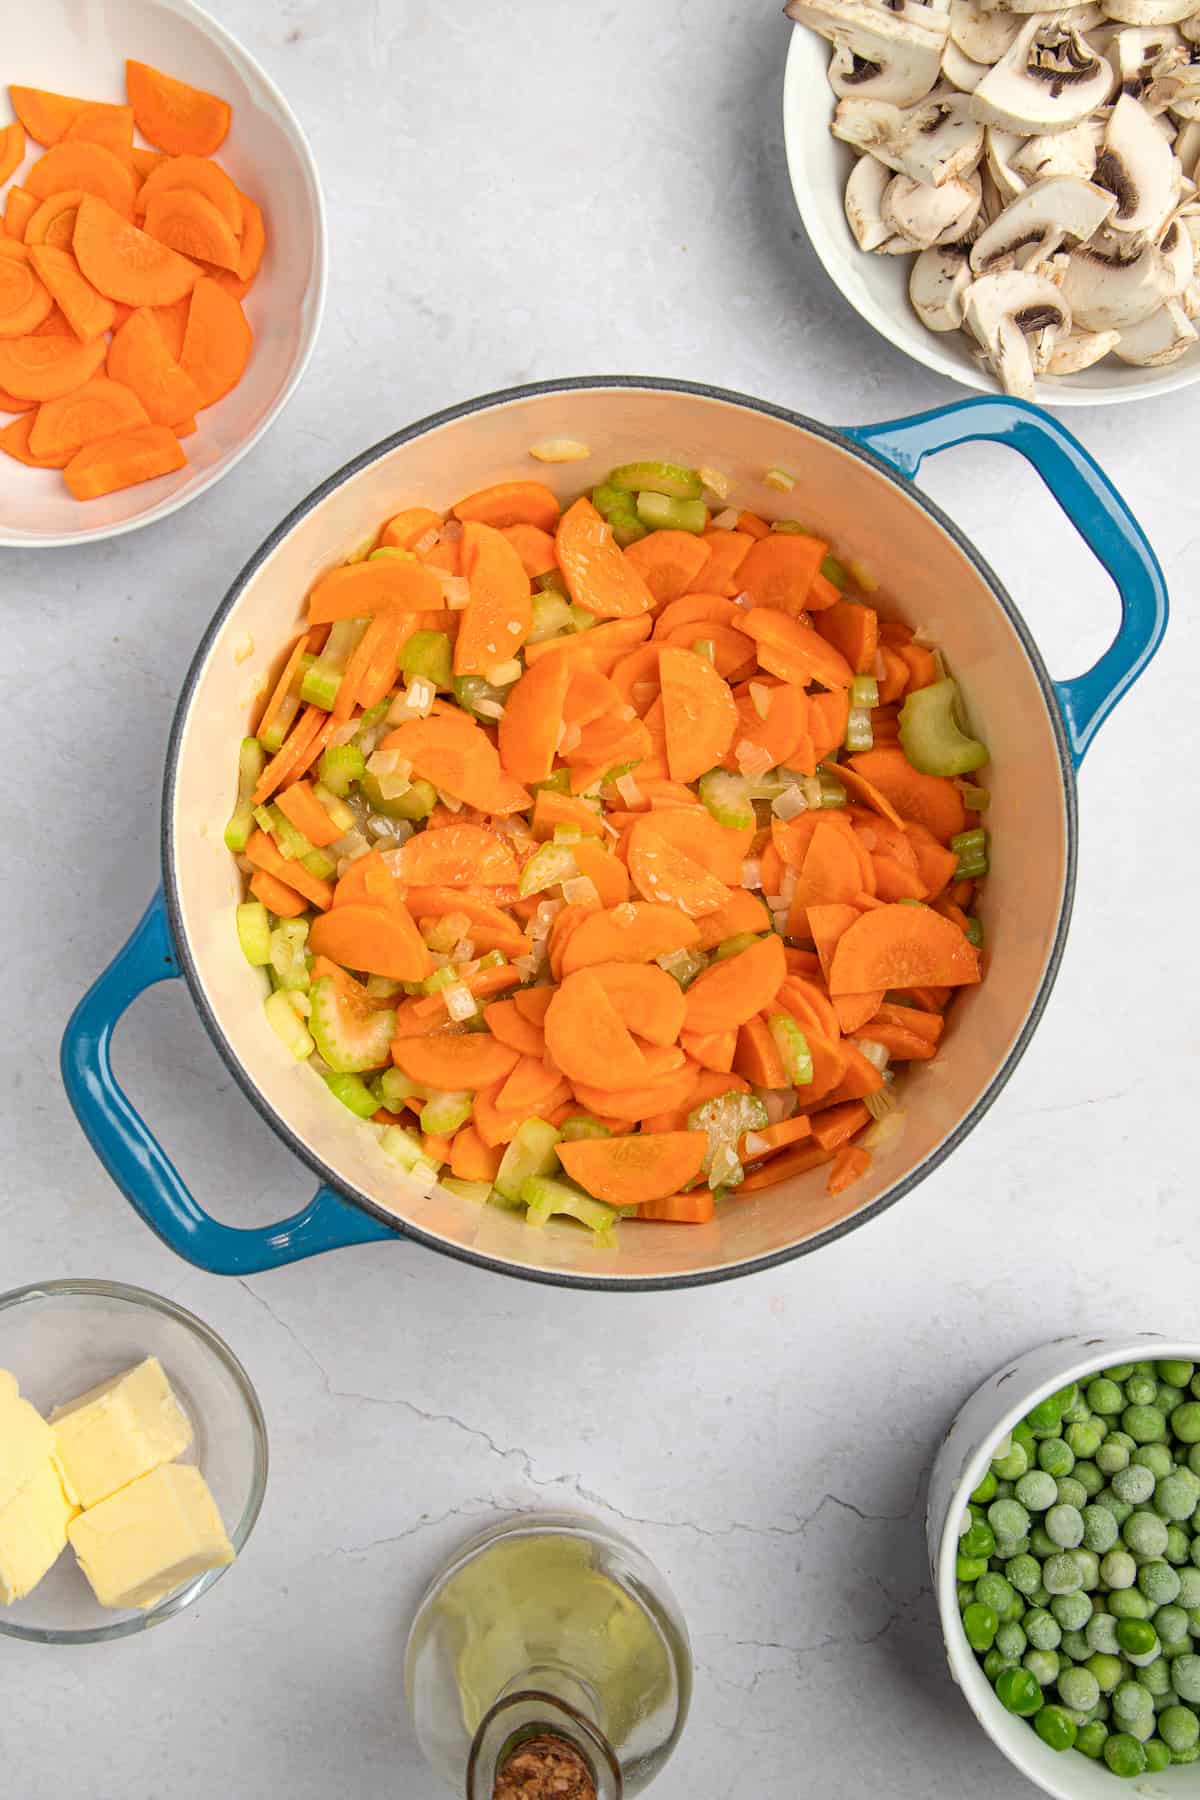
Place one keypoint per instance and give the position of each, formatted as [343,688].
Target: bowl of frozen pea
[1064,1536]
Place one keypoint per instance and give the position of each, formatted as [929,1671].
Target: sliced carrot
[533,714]
[359,590]
[927,1025]
[531,1089]
[19,207]
[89,313]
[361,658]
[195,174]
[809,1005]
[602,645]
[378,940]
[14,442]
[172,323]
[599,576]
[773,1138]
[733,653]
[856,1010]
[663,872]
[98,409]
[648,1102]
[124,263]
[534,546]
[277,896]
[451,751]
[194,225]
[733,990]
[217,343]
[102,123]
[822,594]
[922,666]
[793,650]
[608,875]
[932,800]
[24,299]
[45,115]
[836,1124]
[404,529]
[783,1167]
[696,609]
[669,562]
[781,732]
[633,933]
[495,1128]
[778,570]
[175,117]
[471,1060]
[849,1165]
[713,1050]
[565,925]
[283,684]
[89,168]
[861,1077]
[491,928]
[727,553]
[123,460]
[645,998]
[12,148]
[831,873]
[828,922]
[285,766]
[551,809]
[901,1044]
[935,865]
[792,837]
[512,503]
[856,783]
[895,880]
[698,711]
[753,525]
[505,1021]
[828,716]
[757,1057]
[300,805]
[261,851]
[458,856]
[902,946]
[587,1037]
[631,1171]
[45,368]
[254,244]
[893,683]
[696,1207]
[589,695]
[534,1003]
[471,1159]
[368,880]
[853,630]
[745,911]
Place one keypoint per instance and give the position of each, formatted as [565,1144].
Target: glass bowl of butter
[133,1461]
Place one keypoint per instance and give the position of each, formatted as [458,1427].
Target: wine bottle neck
[530,1739]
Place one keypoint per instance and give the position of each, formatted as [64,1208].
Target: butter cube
[33,1532]
[26,1441]
[119,1431]
[151,1537]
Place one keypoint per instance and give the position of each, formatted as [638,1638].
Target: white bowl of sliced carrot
[162,264]
[604,893]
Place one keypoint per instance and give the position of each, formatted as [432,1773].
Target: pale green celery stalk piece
[932,736]
[341,766]
[727,797]
[427,655]
[480,1192]
[288,956]
[551,615]
[322,681]
[340,814]
[669,479]
[582,1125]
[792,1046]
[350,1040]
[288,1026]
[733,946]
[353,1092]
[663,514]
[543,1197]
[396,1088]
[532,1152]
[547,866]
[443,1113]
[726,1118]
[252,760]
[254,932]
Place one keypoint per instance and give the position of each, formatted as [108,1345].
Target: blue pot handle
[136,1160]
[1094,507]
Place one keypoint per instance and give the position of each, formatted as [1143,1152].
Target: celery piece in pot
[443,1113]
[396,1089]
[272,738]
[350,1037]
[288,956]
[392,553]
[727,797]
[288,1027]
[860,733]
[320,864]
[835,571]
[321,683]
[252,760]
[582,1125]
[547,866]
[832,791]
[479,698]
[340,814]
[931,733]
[669,479]
[532,1153]
[705,647]
[726,1118]
[340,767]
[974,931]
[254,933]
[292,843]
[792,1046]
[353,1092]
[733,946]
[551,617]
[660,513]
[864,691]
[480,1192]
[416,802]
[427,656]
[543,1197]
[558,783]
[618,509]
[971,849]
[551,581]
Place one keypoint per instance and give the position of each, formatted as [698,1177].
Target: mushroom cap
[1187,148]
[1161,338]
[1001,311]
[933,142]
[1109,292]
[887,53]
[1138,165]
[1050,80]
[929,215]
[937,286]
[864,193]
[1072,152]
[999,148]
[981,34]
[1179,251]
[1049,213]
[959,70]
[1079,350]
[1148,12]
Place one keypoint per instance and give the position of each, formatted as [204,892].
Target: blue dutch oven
[857,485]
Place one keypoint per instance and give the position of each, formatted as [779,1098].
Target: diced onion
[427,541]
[420,697]
[780,1103]
[624,914]
[504,673]
[752,759]
[886,1131]
[929,634]
[557,450]
[343,734]
[812,790]
[456,590]
[489,709]
[568,737]
[760,698]
[875,1053]
[527,966]
[450,801]
[727,520]
[460,1001]
[752,873]
[787,887]
[629,791]
[715,481]
[742,599]
[389,762]
[790,804]
[462,952]
[452,530]
[780,480]
[580,890]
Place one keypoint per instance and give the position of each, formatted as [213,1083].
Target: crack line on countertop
[797,1653]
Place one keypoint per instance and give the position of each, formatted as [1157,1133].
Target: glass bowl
[61,1337]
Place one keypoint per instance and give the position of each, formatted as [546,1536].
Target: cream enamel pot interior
[857,486]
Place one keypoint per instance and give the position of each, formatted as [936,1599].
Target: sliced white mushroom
[1148,12]
[1060,210]
[1082,18]
[934,142]
[1158,340]
[1178,250]
[1138,166]
[998,147]
[1185,80]
[1048,81]
[1149,64]
[1071,152]
[1001,311]
[1079,350]
[1108,291]
[864,195]
[937,286]
[1190,27]
[887,52]
[960,71]
[981,35]
[1187,147]
[930,215]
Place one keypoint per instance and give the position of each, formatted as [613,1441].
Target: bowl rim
[918,343]
[235,51]
[1104,1352]
[142,1299]
[309,1157]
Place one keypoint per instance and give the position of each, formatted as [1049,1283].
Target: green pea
[980,1540]
[1159,1582]
[1177,1373]
[1043,1665]
[1167,1398]
[1185,1422]
[1177,1496]
[1104,1395]
[970,1568]
[1141,1390]
[1064,1526]
[1120,1509]
[1137,1637]
[1055,1456]
[1055,1727]
[1071,1492]
[1155,1457]
[1111,1456]
[1179,1728]
[986,1490]
[1156,1677]
[1011,1641]
[1189,1587]
[1179,1545]
[1180,1757]
[1019,1693]
[980,1624]
[1133,1485]
[1120,1371]
[1171,1624]
[1084,1439]
[994,1663]
[1075,1645]
[1131,1701]
[1124,1755]
[1118,1569]
[1185,1677]
[1128,1603]
[1078,1689]
[1158,1757]
[1008,1518]
[1145,1424]
[1071,1610]
[1101,1634]
[1014,1612]
[1012,1464]
[1037,1491]
[1062,1574]
[1091,1739]
[1100,1529]
[1023,1434]
[1145,1534]
[1004,1490]
[1041,1543]
[1183,1647]
[1042,1629]
[1025,1574]
[1089,1478]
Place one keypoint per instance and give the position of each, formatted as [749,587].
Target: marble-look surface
[519,191]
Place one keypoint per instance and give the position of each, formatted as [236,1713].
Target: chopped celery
[288,956]
[864,691]
[443,1113]
[495,959]
[479,697]
[252,760]
[726,1118]
[532,1153]
[341,765]
[292,843]
[547,866]
[558,783]
[582,1125]
[441,978]
[658,478]
[396,1088]
[974,932]
[551,581]
[567,834]
[393,552]
[442,934]
[832,791]
[663,514]
[427,655]
[349,1037]
[975,799]
[320,864]
[860,734]
[931,732]
[382,987]
[254,932]
[706,648]
[551,617]
[322,681]
[340,815]
[682,966]
[478,1191]
[398,1142]
[780,479]
[374,715]
[792,1046]
[416,802]
[835,571]
[791,528]
[288,1026]
[733,946]
[543,1197]
[608,499]
[272,738]
[627,528]
[353,1092]
[581,618]
[971,848]
[727,797]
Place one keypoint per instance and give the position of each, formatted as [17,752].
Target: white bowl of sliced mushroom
[1009,195]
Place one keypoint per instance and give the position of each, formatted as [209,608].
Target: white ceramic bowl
[79,48]
[961,1464]
[877,286]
